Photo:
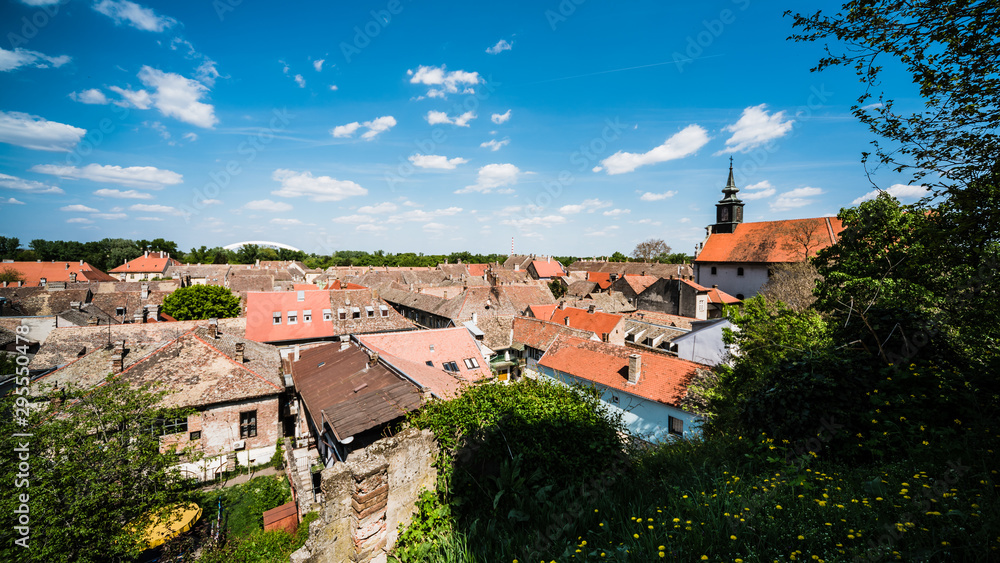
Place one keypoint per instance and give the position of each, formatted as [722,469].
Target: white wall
[703,345]
[749,284]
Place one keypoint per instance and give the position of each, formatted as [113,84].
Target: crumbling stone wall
[368,496]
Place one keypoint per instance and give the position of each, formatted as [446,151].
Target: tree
[199,302]
[10,275]
[618,257]
[674,258]
[557,289]
[792,284]
[802,238]
[950,49]
[247,254]
[650,250]
[93,466]
[9,247]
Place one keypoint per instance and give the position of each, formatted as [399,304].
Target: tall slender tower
[729,210]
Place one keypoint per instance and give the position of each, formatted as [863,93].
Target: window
[277,318]
[714,270]
[293,317]
[430,363]
[450,366]
[614,399]
[164,426]
[770,272]
[676,426]
[248,424]
[739,271]
[471,363]
[327,315]
[384,310]
[307,316]
[370,311]
[342,314]
[196,435]
[355,313]
[119,311]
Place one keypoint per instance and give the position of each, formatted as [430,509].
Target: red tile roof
[540,334]
[662,378]
[598,322]
[548,269]
[772,241]
[638,283]
[437,346]
[715,295]
[543,312]
[602,279]
[154,262]
[478,270]
[33,272]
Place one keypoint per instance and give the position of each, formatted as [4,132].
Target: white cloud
[754,128]
[435,228]
[334,88]
[139,99]
[493,176]
[500,47]
[546,221]
[267,205]
[92,96]
[34,132]
[28,186]
[300,81]
[588,205]
[156,209]
[318,64]
[11,60]
[277,221]
[799,197]
[82,220]
[191,136]
[617,212]
[683,143]
[212,202]
[144,177]
[437,117]
[380,208]
[375,126]
[370,228]
[148,218]
[494,145]
[898,191]
[685,219]
[322,188]
[499,118]
[109,216]
[760,190]
[78,208]
[421,215]
[605,232]
[179,97]
[139,17]
[444,81]
[12,201]
[206,72]
[351,219]
[650,196]
[436,161]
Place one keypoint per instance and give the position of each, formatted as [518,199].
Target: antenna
[511,246]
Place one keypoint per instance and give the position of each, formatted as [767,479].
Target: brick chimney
[93,321]
[72,277]
[116,363]
[239,352]
[566,320]
[373,359]
[591,309]
[145,291]
[562,305]
[154,312]
[213,327]
[634,368]
[446,294]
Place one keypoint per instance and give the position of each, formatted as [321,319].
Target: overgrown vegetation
[199,302]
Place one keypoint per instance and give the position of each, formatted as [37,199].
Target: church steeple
[729,210]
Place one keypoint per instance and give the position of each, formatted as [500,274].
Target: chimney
[566,320]
[373,359]
[116,363]
[67,265]
[296,352]
[239,353]
[446,294]
[591,309]
[517,267]
[146,254]
[72,277]
[92,321]
[154,312]
[213,327]
[138,317]
[145,291]
[562,304]
[475,317]
[634,368]
[121,347]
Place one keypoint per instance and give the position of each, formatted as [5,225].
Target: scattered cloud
[421,215]
[149,218]
[493,176]
[500,47]
[192,137]
[77,208]
[350,219]
[443,82]
[499,118]
[143,177]
[278,221]
[367,228]
[876,105]
[267,205]
[898,191]
[650,196]
[380,208]
[12,201]
[82,220]
[300,81]
[437,117]
[322,188]
[155,208]
[436,162]
[179,97]
[92,96]
[683,143]
[760,190]
[130,13]
[34,132]
[138,99]
[318,64]
[212,202]
[495,145]
[375,126]
[754,128]
[334,88]
[799,197]
[12,60]
[436,228]
[588,205]
[109,216]
[617,212]
[546,221]
[605,232]
[27,186]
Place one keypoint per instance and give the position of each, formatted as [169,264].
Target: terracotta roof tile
[540,334]
[154,262]
[597,322]
[771,241]
[548,269]
[33,272]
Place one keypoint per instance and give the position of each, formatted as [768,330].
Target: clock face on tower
[724,214]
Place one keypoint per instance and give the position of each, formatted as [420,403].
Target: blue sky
[577,127]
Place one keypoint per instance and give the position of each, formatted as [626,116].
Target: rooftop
[772,241]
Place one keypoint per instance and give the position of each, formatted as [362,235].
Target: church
[738,257]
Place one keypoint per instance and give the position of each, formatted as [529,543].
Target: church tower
[729,210]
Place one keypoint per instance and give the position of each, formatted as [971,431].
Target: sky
[563,127]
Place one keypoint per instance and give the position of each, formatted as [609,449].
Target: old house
[148,266]
[534,336]
[451,352]
[684,298]
[41,274]
[608,327]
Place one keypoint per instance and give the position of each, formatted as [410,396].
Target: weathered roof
[33,272]
[436,346]
[633,268]
[597,322]
[662,319]
[39,301]
[340,387]
[497,331]
[662,378]
[715,295]
[540,334]
[152,262]
[637,284]
[581,288]
[772,241]
[610,302]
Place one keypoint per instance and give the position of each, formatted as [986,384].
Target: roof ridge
[235,362]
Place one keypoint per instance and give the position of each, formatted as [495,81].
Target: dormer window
[384,310]
[471,363]
[119,311]
[327,315]
[342,314]
[355,313]
[370,311]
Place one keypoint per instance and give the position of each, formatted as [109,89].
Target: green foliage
[9,247]
[201,302]
[261,547]
[10,275]
[94,467]
[557,289]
